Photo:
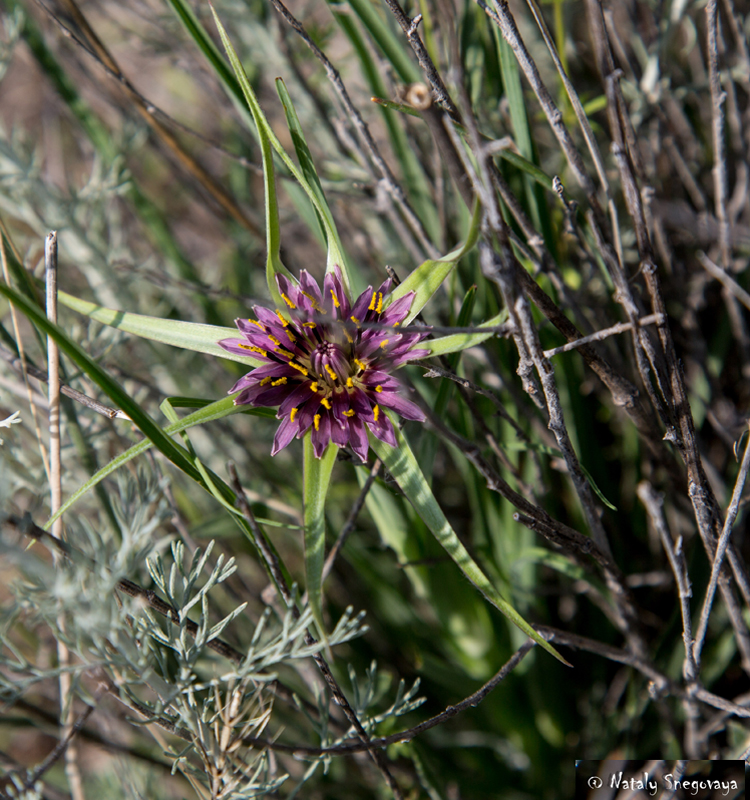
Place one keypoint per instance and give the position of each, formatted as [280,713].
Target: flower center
[330,363]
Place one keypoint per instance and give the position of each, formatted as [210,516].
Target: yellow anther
[373,302]
[287,301]
[259,324]
[254,349]
[384,343]
[360,364]
[279,382]
[379,307]
[266,380]
[293,414]
[274,340]
[314,386]
[308,325]
[315,303]
[335,299]
[334,376]
[378,388]
[298,367]
[283,352]
[316,421]
[326,402]
[376,412]
[349,413]
[354,320]
[281,317]
[396,324]
[349,383]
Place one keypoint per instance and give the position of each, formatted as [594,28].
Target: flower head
[325,366]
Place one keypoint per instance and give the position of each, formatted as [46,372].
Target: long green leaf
[206,45]
[456,342]
[403,466]
[207,413]
[176,454]
[335,250]
[188,335]
[316,477]
[428,276]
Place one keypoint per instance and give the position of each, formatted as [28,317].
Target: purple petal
[294,398]
[411,355]
[240,347]
[286,432]
[401,406]
[309,285]
[358,438]
[359,310]
[335,297]
[265,395]
[398,310]
[383,429]
[340,433]
[306,413]
[321,435]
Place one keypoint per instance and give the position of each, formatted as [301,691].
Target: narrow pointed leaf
[176,454]
[267,132]
[335,248]
[207,413]
[188,335]
[403,466]
[316,478]
[456,342]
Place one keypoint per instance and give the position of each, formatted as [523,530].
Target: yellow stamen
[287,301]
[285,352]
[384,343]
[315,303]
[378,388]
[349,336]
[349,383]
[326,402]
[373,302]
[279,382]
[298,367]
[274,339]
[314,386]
[293,414]
[335,299]
[396,324]
[376,412]
[379,307]
[254,349]
[316,421]
[360,364]
[308,325]
[266,380]
[349,413]
[334,376]
[281,317]
[259,324]
[354,320]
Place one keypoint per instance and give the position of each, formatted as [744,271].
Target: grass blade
[404,468]
[188,335]
[316,478]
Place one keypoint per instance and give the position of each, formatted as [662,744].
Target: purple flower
[325,370]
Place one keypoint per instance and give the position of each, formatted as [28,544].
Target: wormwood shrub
[488,269]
